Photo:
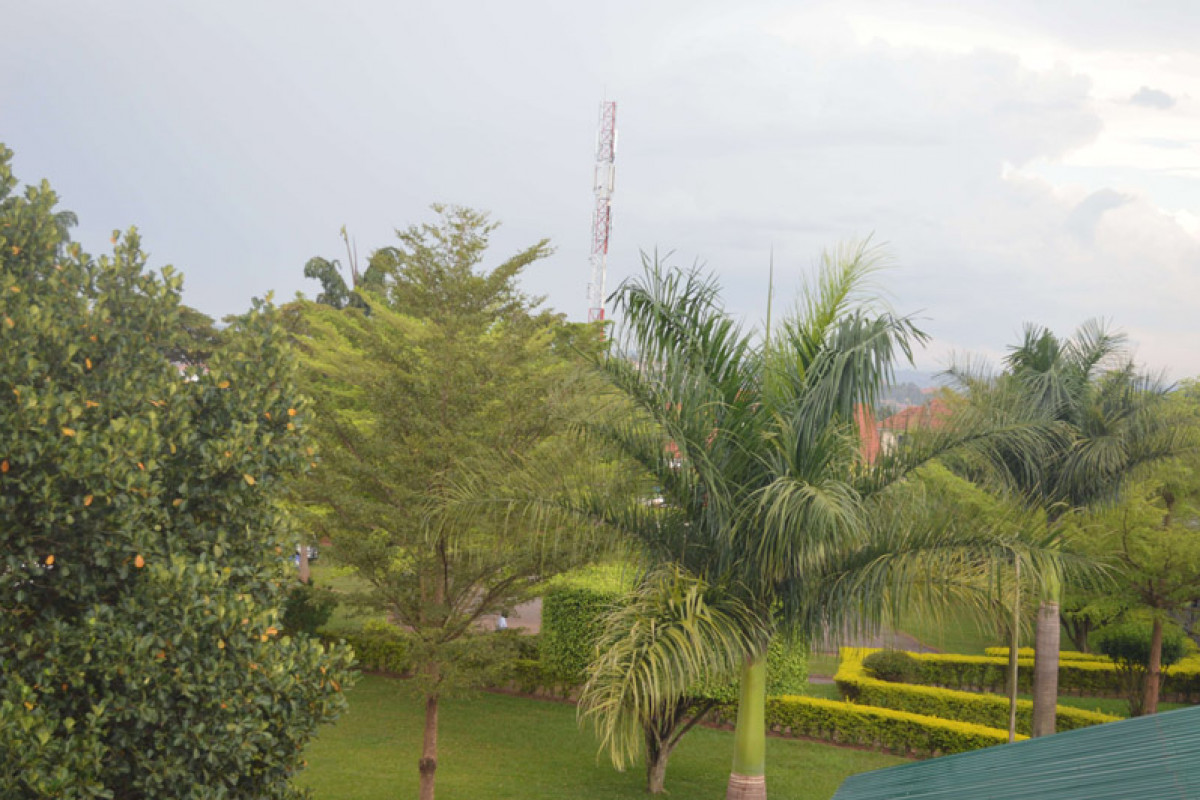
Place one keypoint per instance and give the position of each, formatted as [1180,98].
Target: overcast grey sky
[1023,161]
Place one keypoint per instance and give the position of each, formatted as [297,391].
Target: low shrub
[306,608]
[990,710]
[1063,655]
[880,728]
[895,666]
[379,647]
[1083,678]
[1128,645]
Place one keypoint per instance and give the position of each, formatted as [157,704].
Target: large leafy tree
[452,368]
[1152,541]
[771,520]
[140,561]
[1107,425]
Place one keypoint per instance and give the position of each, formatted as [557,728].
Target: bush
[879,728]
[1128,645]
[378,647]
[990,710]
[1063,655]
[1087,678]
[141,534]
[572,609]
[895,666]
[787,673]
[306,608]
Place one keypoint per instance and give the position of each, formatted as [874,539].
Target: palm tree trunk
[1154,673]
[748,780]
[656,770]
[1014,643]
[1045,668]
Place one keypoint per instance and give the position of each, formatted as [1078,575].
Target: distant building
[932,415]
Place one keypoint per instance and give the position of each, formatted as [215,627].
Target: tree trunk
[427,766]
[656,769]
[1154,673]
[303,570]
[1014,644]
[747,781]
[1045,669]
[428,763]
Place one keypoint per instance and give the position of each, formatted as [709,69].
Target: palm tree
[772,521]
[1107,426]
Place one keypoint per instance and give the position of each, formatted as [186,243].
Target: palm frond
[676,631]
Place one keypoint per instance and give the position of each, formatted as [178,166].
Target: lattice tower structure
[603,184]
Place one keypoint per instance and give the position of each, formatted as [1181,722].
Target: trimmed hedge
[378,649]
[900,732]
[1027,652]
[1181,682]
[571,611]
[990,710]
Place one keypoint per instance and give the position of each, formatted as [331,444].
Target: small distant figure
[502,622]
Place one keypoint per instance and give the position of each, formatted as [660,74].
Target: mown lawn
[496,746]
[953,631]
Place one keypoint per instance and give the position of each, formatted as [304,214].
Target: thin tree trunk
[1014,643]
[1045,669]
[428,763]
[1154,673]
[303,571]
[747,781]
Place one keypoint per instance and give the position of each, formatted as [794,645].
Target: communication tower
[605,177]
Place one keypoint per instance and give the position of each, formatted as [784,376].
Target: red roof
[932,414]
[868,433]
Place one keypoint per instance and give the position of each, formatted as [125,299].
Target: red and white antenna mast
[606,173]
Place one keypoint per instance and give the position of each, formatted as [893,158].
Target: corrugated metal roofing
[1146,758]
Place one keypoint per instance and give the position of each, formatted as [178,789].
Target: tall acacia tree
[445,369]
[772,521]
[1108,424]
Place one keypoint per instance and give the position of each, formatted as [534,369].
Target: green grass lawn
[953,631]
[496,746]
[823,663]
[342,580]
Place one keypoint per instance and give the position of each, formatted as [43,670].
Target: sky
[1017,162]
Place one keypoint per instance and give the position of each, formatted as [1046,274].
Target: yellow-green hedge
[1097,678]
[1063,655]
[882,728]
[990,710]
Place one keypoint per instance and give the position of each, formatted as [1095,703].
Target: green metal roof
[1146,758]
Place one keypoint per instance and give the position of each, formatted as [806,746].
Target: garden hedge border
[990,710]
[899,732]
[1084,678]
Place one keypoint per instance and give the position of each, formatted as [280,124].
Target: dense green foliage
[896,666]
[1131,646]
[140,534]
[425,380]
[573,609]
[1128,644]
[307,607]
